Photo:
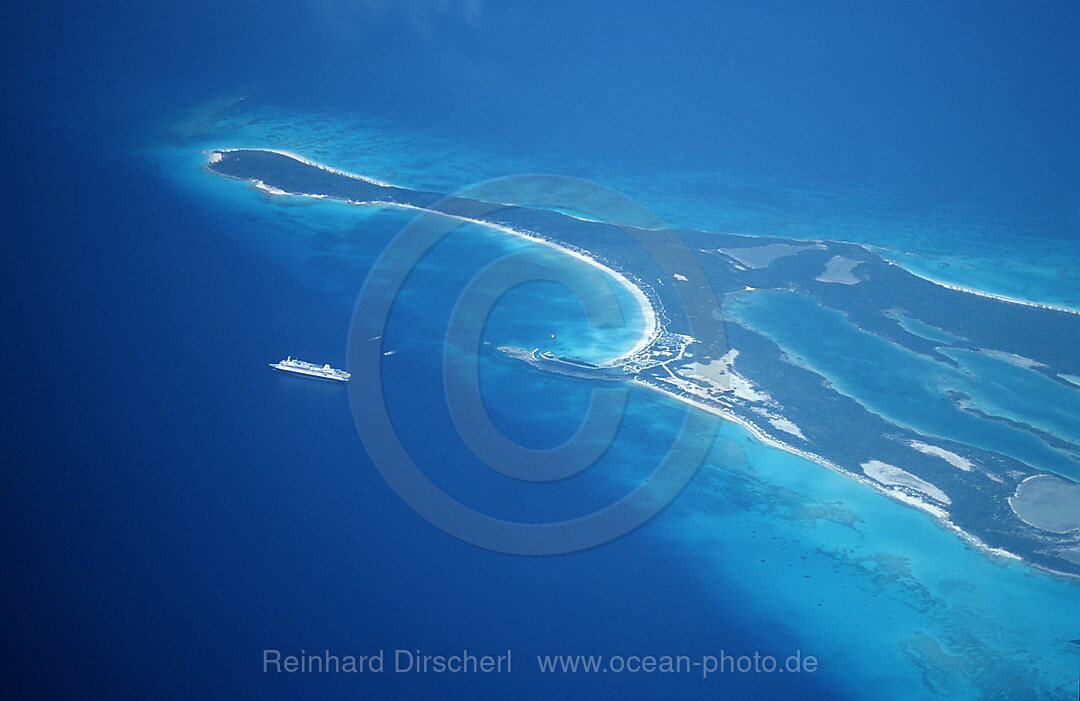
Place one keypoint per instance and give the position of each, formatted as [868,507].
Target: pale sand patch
[1048,502]
[893,476]
[763,256]
[744,388]
[787,426]
[719,373]
[946,455]
[780,422]
[839,270]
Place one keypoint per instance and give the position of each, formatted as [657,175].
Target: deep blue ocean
[172,507]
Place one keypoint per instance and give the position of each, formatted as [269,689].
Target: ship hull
[317,373]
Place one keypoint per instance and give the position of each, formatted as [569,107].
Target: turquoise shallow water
[1015,392]
[913,390]
[921,328]
[994,249]
[879,588]
[880,592]
[174,506]
[1044,273]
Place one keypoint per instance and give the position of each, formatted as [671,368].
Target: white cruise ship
[326,372]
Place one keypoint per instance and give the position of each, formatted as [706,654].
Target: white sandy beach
[980,293]
[651,326]
[305,161]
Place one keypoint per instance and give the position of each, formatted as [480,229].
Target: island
[822,348]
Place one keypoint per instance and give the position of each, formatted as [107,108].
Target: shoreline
[938,514]
[882,252]
[649,314]
[305,161]
[652,331]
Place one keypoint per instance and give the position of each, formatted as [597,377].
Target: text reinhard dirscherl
[403,661]
[400,661]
